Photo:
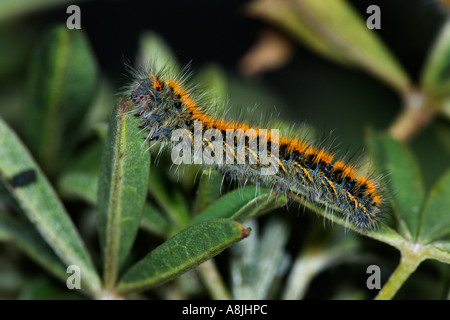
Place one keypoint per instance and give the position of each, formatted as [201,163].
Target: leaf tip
[245,232]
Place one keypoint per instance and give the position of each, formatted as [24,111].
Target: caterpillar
[167,104]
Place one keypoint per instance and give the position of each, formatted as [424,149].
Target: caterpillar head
[160,107]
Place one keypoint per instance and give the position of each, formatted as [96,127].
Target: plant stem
[213,281]
[416,115]
[306,266]
[408,264]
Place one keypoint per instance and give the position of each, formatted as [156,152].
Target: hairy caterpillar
[166,104]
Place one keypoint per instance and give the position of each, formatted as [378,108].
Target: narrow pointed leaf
[122,189]
[208,189]
[154,222]
[335,30]
[181,253]
[258,206]
[169,198]
[81,185]
[29,241]
[28,185]
[436,74]
[443,245]
[248,199]
[62,83]
[80,179]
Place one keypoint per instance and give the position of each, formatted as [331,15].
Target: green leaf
[335,30]
[284,16]
[101,130]
[122,189]
[96,121]
[80,179]
[238,204]
[213,80]
[181,253]
[80,184]
[435,77]
[406,191]
[62,83]
[443,245]
[169,198]
[436,216]
[381,233]
[208,189]
[154,49]
[40,203]
[154,222]
[10,9]
[258,206]
[29,241]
